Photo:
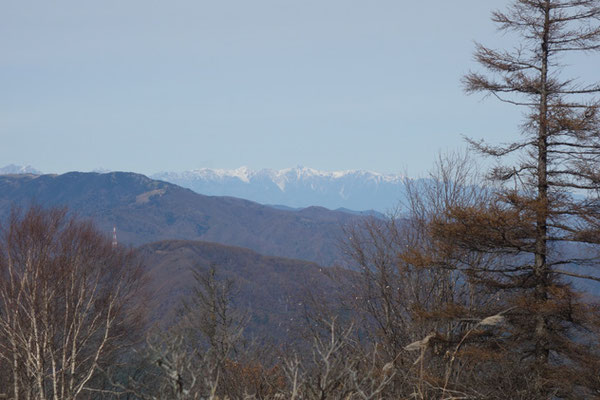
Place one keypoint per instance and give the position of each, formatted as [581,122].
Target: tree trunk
[541,270]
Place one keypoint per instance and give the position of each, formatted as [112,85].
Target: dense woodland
[469,294]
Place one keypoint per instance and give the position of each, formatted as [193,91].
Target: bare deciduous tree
[415,288]
[210,313]
[68,303]
[202,355]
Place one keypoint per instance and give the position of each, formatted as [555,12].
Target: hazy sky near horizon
[148,86]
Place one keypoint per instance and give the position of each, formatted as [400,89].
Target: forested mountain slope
[146,210]
[271,291]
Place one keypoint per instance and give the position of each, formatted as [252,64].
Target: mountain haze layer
[296,187]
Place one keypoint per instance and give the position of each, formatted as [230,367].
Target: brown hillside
[272,290]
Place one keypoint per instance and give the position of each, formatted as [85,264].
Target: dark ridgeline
[146,210]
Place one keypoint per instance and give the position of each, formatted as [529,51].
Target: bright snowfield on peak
[18,169]
[297,187]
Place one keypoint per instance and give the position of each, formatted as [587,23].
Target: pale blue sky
[147,86]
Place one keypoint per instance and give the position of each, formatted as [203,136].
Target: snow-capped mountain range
[299,187]
[296,187]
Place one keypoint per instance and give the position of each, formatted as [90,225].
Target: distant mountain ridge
[297,187]
[146,210]
[300,187]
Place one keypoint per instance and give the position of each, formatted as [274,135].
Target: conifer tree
[544,219]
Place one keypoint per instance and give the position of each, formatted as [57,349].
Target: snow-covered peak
[101,170]
[243,173]
[13,169]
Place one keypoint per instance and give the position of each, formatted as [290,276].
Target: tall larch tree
[545,217]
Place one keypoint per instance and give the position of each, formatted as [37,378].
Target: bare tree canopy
[68,304]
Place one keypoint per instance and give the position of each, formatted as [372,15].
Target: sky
[149,86]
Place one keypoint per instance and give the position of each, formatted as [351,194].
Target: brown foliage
[533,218]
